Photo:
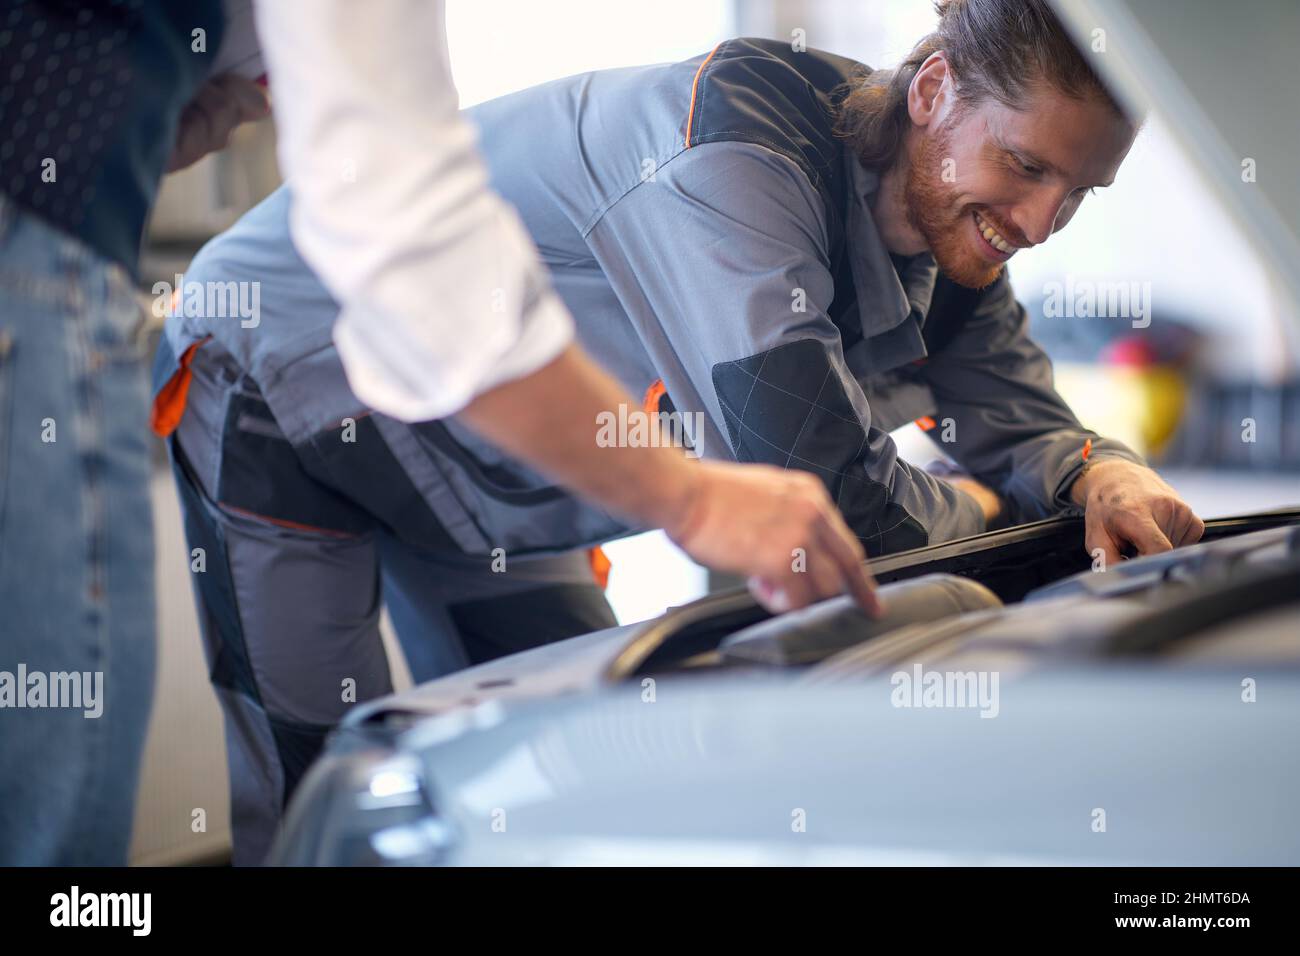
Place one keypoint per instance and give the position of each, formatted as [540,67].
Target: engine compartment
[1029,589]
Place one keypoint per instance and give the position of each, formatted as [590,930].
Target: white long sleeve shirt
[442,295]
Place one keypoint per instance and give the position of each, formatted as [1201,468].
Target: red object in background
[1132,351]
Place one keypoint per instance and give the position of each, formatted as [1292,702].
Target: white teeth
[994,238]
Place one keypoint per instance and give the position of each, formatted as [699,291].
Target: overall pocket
[261,474]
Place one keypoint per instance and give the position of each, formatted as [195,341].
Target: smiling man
[985,141]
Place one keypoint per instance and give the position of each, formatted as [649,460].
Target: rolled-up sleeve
[442,295]
[1012,430]
[721,263]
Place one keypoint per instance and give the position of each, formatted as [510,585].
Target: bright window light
[506,45]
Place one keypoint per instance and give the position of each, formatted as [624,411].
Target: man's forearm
[549,418]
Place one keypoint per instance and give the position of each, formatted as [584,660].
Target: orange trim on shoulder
[169,404]
[925,423]
[652,395]
[695,85]
[600,566]
[1087,449]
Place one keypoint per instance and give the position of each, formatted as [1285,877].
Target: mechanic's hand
[988,500]
[1129,506]
[750,519]
[207,121]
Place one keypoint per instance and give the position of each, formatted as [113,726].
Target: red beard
[936,215]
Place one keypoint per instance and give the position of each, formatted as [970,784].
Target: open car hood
[1039,556]
[1223,74]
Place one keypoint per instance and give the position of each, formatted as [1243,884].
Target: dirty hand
[1127,505]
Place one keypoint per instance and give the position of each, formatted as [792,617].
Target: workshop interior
[380,637]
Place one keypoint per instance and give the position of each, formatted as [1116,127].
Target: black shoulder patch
[787,407]
[762,91]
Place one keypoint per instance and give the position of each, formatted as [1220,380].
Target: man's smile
[992,243]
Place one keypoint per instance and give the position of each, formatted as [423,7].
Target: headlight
[366,808]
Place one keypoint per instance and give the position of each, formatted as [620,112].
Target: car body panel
[1173,771]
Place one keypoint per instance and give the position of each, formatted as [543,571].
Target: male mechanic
[808,253]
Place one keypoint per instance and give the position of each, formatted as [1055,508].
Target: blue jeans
[76,549]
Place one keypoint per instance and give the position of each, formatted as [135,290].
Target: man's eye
[1028,169]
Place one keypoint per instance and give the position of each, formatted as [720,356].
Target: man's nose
[1036,217]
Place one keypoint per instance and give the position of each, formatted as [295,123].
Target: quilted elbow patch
[787,407]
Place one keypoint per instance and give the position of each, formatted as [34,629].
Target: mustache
[1010,233]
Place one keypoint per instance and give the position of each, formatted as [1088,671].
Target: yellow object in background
[1138,405]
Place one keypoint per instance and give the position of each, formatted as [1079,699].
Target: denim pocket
[115,331]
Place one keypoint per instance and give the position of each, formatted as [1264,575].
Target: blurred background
[1209,390]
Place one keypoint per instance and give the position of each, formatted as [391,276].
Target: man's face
[987,180]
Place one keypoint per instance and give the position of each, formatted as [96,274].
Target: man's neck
[889,210]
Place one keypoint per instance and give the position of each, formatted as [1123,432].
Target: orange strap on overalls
[652,395]
[169,403]
[600,565]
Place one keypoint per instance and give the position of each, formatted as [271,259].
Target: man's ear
[930,95]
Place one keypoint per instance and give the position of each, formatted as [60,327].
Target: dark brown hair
[995,48]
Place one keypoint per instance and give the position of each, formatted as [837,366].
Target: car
[1141,715]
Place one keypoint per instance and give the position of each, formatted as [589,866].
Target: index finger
[1098,538]
[843,549]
